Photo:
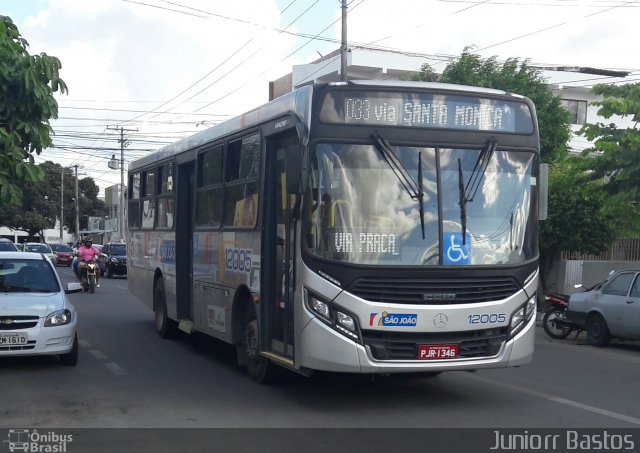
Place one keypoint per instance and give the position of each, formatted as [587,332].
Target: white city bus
[362,227]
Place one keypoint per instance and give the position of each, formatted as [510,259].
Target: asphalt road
[128,377]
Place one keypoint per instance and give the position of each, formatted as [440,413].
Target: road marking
[97,354]
[555,399]
[116,369]
[84,343]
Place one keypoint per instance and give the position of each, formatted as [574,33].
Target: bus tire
[166,328]
[260,369]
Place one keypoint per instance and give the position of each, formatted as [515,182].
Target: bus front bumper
[323,348]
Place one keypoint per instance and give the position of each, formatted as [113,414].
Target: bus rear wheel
[165,327]
[259,368]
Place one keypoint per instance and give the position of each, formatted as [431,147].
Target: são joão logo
[386,319]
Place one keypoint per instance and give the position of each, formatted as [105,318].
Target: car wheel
[597,331]
[71,357]
[167,328]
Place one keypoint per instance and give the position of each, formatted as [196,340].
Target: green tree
[516,77]
[40,203]
[27,84]
[616,150]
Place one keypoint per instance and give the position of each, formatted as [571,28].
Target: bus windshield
[358,211]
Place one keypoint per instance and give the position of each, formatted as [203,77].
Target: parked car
[18,246]
[7,246]
[63,254]
[611,309]
[36,318]
[39,247]
[113,259]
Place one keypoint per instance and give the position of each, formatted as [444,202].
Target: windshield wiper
[467,192]
[413,188]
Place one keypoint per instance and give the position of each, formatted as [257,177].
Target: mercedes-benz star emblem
[440,320]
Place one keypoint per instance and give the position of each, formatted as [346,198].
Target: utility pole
[77,206]
[121,215]
[61,204]
[343,47]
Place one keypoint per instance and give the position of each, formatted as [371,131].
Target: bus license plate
[13,338]
[437,351]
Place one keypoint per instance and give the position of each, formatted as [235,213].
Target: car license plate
[13,338]
[437,351]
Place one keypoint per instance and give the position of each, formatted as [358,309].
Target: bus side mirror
[293,168]
[543,199]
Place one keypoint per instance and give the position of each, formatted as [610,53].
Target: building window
[577,109]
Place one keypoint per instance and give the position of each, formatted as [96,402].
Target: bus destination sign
[426,110]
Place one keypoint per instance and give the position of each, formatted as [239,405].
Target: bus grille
[440,291]
[404,345]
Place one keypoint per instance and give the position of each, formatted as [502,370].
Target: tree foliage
[40,203]
[27,84]
[617,149]
[516,77]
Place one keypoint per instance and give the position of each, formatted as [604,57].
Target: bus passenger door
[278,251]
[184,242]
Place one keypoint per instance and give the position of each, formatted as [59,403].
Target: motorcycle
[554,321]
[88,277]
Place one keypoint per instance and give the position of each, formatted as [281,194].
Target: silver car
[610,309]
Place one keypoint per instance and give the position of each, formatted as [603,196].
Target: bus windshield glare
[358,211]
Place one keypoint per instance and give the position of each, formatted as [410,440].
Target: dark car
[113,259]
[7,246]
[63,254]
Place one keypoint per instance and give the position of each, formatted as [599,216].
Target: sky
[163,70]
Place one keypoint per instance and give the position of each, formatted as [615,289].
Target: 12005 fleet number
[493,318]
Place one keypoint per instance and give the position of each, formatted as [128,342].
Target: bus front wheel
[166,327]
[259,368]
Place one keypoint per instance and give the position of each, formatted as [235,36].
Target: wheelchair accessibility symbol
[454,251]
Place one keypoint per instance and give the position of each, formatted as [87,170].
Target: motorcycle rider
[86,253]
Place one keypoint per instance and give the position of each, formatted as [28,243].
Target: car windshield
[38,248]
[359,210]
[61,248]
[27,276]
[118,249]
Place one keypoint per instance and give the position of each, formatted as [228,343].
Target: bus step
[185,325]
[287,363]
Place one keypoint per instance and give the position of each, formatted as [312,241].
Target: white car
[40,247]
[36,317]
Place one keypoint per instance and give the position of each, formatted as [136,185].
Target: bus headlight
[320,307]
[521,316]
[531,307]
[338,318]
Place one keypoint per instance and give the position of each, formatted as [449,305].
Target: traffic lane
[195,367]
[194,381]
[603,378]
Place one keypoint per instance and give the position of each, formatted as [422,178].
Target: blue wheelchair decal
[456,253]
